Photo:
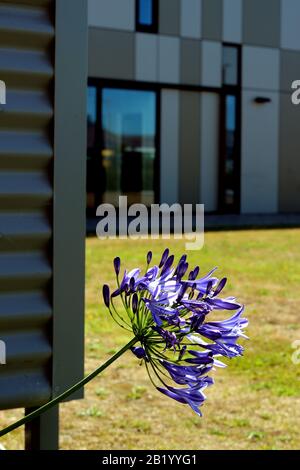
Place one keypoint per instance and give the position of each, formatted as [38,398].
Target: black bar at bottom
[139,459]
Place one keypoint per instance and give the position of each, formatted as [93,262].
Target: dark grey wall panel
[111,54]
[261,22]
[190,62]
[24,25]
[169,17]
[34,312]
[289,69]
[26,155]
[70,199]
[289,161]
[212,19]
[189,148]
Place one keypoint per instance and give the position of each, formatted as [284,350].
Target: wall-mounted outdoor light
[262,100]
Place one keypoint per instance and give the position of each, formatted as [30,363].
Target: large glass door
[124,152]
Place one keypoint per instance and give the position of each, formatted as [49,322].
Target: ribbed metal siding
[26,169]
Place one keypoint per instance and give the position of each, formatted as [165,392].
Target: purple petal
[220,287]
[106,295]
[164,258]
[117,265]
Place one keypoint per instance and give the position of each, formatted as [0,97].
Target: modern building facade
[189,101]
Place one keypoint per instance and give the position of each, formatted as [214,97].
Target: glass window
[92,142]
[231,163]
[128,145]
[145,12]
[146,15]
[230,65]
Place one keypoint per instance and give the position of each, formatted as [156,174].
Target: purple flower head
[171,318]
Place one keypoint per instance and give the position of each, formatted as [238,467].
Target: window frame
[144,28]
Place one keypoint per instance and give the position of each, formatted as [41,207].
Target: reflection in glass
[91,115]
[230,152]
[91,183]
[128,147]
[230,65]
[145,12]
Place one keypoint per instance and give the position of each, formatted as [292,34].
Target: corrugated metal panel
[26,161]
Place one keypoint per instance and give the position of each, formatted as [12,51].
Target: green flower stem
[68,392]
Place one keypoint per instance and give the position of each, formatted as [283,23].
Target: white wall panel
[211,67]
[209,143]
[290,24]
[260,148]
[146,57]
[191,18]
[232,20]
[169,146]
[169,58]
[116,14]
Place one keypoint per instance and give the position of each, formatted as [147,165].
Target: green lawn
[255,402]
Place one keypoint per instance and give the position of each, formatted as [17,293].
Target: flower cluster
[167,311]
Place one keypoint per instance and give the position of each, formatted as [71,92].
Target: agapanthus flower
[168,310]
